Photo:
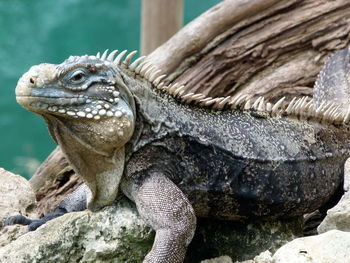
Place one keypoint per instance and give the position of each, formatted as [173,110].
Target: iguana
[177,155]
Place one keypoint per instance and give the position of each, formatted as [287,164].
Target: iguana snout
[36,77]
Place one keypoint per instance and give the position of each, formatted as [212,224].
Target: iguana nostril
[31,80]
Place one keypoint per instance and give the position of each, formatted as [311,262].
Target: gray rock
[114,234]
[222,259]
[118,234]
[16,196]
[330,247]
[338,217]
[10,233]
[263,257]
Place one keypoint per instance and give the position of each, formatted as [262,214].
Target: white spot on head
[81,114]
[88,110]
[118,113]
[71,113]
[89,116]
[97,117]
[102,112]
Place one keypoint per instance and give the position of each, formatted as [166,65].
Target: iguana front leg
[75,201]
[164,206]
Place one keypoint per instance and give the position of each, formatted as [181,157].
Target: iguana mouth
[78,106]
[74,100]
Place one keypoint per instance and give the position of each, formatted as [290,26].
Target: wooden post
[160,20]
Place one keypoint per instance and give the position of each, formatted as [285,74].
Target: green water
[36,31]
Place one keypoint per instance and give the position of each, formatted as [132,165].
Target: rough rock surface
[114,234]
[16,196]
[223,259]
[338,217]
[10,233]
[330,247]
[117,234]
[263,257]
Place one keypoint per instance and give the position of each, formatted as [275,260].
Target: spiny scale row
[302,108]
[298,107]
[140,66]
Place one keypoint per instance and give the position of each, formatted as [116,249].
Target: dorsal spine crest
[302,108]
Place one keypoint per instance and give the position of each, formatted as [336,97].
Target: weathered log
[52,181]
[197,34]
[271,50]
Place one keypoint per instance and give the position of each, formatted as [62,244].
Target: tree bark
[52,181]
[267,48]
[273,48]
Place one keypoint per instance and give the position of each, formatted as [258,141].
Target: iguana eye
[78,77]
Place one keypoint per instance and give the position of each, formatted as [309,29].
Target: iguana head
[90,113]
[82,91]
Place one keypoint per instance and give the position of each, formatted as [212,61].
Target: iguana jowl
[178,156]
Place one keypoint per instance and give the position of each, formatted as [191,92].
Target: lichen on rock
[16,196]
[332,246]
[338,217]
[114,234]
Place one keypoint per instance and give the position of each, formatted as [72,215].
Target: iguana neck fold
[101,170]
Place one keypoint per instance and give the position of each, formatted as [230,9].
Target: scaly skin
[178,161]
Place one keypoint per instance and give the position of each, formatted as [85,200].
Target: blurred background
[37,31]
